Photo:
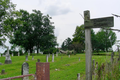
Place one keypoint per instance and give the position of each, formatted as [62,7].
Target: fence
[42,72]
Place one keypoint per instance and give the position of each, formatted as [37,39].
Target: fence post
[112,57]
[42,71]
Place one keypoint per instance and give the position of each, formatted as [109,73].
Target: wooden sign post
[88,24]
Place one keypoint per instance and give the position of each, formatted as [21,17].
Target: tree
[79,38]
[34,30]
[23,35]
[106,39]
[7,9]
[66,45]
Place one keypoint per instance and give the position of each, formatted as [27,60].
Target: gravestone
[56,54]
[78,76]
[18,54]
[26,58]
[8,59]
[12,54]
[79,58]
[0,55]
[28,54]
[3,71]
[53,57]
[61,57]
[25,70]
[32,57]
[46,58]
[49,55]
[0,63]
[69,56]
[38,60]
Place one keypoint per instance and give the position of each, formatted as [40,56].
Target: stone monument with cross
[88,24]
[8,59]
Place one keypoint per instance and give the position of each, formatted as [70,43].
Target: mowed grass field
[61,69]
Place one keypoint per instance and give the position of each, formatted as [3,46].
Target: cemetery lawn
[61,69]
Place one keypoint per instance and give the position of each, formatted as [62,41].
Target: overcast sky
[65,13]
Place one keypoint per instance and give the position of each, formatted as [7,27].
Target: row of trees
[103,40]
[31,31]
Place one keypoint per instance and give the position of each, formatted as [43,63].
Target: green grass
[67,68]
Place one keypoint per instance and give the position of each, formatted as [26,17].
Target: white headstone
[26,58]
[79,58]
[53,57]
[78,76]
[28,54]
[12,54]
[18,54]
[57,54]
[49,55]
[25,70]
[46,58]
[69,56]
[8,59]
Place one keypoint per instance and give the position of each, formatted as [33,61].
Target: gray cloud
[54,10]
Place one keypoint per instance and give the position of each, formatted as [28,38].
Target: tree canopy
[102,40]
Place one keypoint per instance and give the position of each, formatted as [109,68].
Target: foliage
[106,39]
[6,11]
[33,30]
[66,45]
[103,40]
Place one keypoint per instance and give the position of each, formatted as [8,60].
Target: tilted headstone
[46,58]
[78,76]
[3,71]
[53,57]
[26,58]
[8,59]
[32,57]
[25,70]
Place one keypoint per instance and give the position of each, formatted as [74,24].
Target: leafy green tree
[23,33]
[7,9]
[33,30]
[66,45]
[106,39]
[79,38]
